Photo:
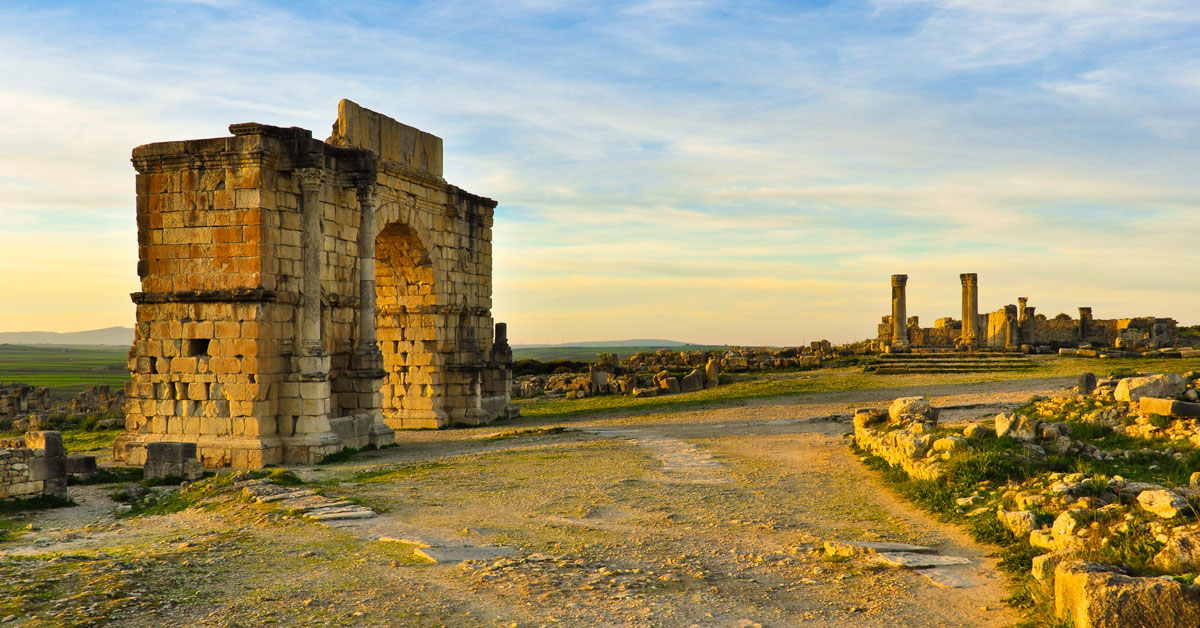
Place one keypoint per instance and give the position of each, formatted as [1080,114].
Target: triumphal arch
[300,296]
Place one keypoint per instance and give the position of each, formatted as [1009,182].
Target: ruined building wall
[299,296]
[1015,325]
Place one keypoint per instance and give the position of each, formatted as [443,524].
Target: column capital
[969,279]
[366,194]
[899,280]
[310,178]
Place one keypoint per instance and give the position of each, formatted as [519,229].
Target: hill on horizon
[106,336]
[638,342]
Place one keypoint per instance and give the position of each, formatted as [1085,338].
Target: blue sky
[745,173]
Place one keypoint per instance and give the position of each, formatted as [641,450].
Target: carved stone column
[970,309]
[312,438]
[899,312]
[1085,319]
[367,361]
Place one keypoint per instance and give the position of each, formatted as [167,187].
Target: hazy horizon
[744,175]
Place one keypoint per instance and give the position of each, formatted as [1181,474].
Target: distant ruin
[1015,327]
[301,296]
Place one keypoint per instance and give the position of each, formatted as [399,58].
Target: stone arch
[407,327]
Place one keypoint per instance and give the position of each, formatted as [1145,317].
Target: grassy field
[788,384]
[547,354]
[65,369]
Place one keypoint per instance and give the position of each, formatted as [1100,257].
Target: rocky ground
[714,518]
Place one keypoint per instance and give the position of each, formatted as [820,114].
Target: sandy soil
[712,518]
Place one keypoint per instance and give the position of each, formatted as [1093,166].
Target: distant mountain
[106,336]
[640,342]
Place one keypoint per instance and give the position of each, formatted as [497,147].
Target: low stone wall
[33,466]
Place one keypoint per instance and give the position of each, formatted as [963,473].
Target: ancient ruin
[301,296]
[1015,327]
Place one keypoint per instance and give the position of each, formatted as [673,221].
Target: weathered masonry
[1015,326]
[301,296]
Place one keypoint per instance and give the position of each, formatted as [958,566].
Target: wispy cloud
[746,173]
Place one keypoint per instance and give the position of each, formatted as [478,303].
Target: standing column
[367,359]
[367,344]
[311,438]
[312,240]
[899,312]
[970,309]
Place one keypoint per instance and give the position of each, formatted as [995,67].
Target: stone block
[49,441]
[81,465]
[47,468]
[1101,596]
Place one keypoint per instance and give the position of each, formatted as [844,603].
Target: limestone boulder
[912,410]
[1065,526]
[1016,426]
[912,445]
[1164,503]
[865,417]
[1102,596]
[1019,522]
[1134,388]
[693,381]
[1181,554]
[975,430]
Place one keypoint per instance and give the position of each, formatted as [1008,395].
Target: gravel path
[713,518]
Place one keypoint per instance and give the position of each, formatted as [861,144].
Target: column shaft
[899,311]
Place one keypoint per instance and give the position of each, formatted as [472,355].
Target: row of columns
[1017,318]
[312,428]
[970,311]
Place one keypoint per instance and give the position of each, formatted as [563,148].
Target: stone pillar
[312,241]
[899,312]
[367,361]
[366,270]
[970,309]
[1085,317]
[1021,302]
[312,438]
[1011,334]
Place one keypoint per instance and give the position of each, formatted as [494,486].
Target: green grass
[65,368]
[763,385]
[79,441]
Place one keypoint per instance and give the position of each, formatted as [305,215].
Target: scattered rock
[912,410]
[1019,522]
[1134,388]
[1164,503]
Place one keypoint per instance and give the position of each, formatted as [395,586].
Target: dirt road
[711,518]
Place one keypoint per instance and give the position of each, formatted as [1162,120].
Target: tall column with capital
[367,361]
[970,309]
[311,438]
[899,312]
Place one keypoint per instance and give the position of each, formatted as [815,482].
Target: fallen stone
[1134,388]
[1101,596]
[1019,522]
[1181,554]
[912,409]
[913,560]
[1044,565]
[1087,383]
[1164,503]
[693,381]
[455,555]
[859,548]
[1168,407]
[949,577]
